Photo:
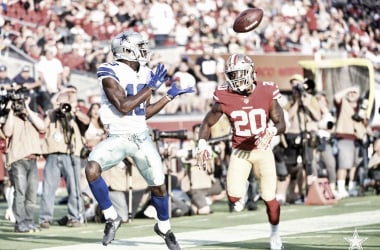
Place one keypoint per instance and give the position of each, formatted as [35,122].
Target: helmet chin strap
[240,89]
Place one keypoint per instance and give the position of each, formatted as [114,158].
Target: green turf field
[302,227]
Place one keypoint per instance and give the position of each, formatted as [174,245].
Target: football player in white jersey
[126,87]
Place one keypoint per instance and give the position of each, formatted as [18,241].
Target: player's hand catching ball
[175,91]
[158,78]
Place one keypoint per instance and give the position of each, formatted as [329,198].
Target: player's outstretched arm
[277,116]
[173,92]
[210,119]
[116,95]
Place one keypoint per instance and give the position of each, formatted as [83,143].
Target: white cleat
[342,194]
[275,242]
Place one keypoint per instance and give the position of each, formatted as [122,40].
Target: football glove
[203,154]
[158,78]
[175,91]
[263,140]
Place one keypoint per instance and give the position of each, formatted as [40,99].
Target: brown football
[248,20]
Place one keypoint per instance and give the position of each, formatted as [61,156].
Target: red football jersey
[248,115]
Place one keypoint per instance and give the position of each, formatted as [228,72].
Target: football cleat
[110,229]
[169,238]
[275,242]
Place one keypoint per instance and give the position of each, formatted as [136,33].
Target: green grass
[324,239]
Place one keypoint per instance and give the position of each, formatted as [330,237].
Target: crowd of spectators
[81,29]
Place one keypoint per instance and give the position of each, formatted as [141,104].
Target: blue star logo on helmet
[123,37]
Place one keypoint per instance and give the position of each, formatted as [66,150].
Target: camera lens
[65,108]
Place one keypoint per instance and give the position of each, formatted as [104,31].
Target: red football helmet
[240,73]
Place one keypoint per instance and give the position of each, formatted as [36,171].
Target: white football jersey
[132,82]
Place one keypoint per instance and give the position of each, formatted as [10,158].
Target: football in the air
[248,20]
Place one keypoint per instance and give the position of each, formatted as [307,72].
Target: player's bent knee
[93,171]
[159,190]
[233,199]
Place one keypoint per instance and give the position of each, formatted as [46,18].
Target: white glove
[263,140]
[203,153]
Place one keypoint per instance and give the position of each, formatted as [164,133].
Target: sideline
[237,233]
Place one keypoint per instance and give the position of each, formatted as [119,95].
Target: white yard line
[238,233]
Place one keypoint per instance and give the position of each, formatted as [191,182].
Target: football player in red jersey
[249,105]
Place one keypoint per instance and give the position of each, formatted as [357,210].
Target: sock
[280,197]
[161,204]
[351,185]
[341,185]
[273,229]
[273,211]
[100,191]
[164,226]
[110,213]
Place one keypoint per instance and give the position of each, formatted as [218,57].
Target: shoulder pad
[222,86]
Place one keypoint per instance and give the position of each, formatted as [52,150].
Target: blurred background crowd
[57,38]
[78,31]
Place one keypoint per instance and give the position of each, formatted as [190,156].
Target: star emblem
[355,242]
[124,37]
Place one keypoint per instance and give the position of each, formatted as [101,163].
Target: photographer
[351,133]
[63,145]
[24,80]
[23,128]
[326,148]
[304,113]
[4,79]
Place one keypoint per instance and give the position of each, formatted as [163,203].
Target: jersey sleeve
[271,88]
[218,96]
[276,92]
[105,70]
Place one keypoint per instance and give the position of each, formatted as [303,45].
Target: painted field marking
[238,233]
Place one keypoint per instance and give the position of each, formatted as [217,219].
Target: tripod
[305,154]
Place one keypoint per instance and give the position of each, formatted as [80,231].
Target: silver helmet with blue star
[131,46]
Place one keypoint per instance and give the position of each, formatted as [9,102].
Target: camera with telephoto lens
[186,154]
[308,86]
[65,108]
[18,101]
[360,115]
[326,124]
[174,134]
